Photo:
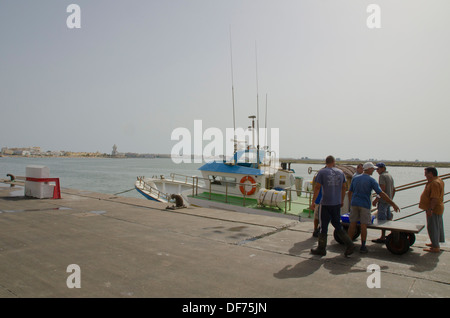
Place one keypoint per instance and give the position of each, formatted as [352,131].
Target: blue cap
[381,165]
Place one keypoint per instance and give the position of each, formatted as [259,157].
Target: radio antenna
[232,97]
[257,108]
[265,134]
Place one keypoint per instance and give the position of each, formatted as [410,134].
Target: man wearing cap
[359,195]
[386,183]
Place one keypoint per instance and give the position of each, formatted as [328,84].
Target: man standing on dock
[359,195]
[332,182]
[386,183]
[432,201]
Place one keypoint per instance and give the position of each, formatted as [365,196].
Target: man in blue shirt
[359,196]
[332,182]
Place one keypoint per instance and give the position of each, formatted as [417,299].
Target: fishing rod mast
[257,109]
[265,133]
[232,97]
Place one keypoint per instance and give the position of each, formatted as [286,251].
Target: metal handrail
[418,183]
[407,216]
[174,175]
[414,185]
[289,197]
[227,184]
[153,190]
[288,191]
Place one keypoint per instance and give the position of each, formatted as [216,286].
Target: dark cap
[381,165]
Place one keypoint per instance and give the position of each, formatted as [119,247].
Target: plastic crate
[345,218]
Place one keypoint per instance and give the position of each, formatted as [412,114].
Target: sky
[136,70]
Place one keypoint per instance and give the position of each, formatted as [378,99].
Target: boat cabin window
[221,180]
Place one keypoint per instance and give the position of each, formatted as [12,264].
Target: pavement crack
[263,235]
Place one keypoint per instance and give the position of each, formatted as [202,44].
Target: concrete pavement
[127,247]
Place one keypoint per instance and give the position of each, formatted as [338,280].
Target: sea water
[114,175]
[105,175]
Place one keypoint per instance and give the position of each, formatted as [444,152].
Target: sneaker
[363,250]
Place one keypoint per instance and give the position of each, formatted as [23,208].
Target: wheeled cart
[398,242]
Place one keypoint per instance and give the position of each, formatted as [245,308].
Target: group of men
[329,192]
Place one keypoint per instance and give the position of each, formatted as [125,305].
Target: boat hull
[213,196]
[147,195]
[160,190]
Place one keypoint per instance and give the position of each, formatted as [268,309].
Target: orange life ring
[242,188]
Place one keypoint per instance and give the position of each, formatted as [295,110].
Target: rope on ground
[124,191]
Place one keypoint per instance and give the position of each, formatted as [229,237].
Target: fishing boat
[241,184]
[252,180]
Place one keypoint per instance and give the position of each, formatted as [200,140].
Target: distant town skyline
[37,152]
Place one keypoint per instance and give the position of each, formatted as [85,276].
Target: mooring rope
[124,191]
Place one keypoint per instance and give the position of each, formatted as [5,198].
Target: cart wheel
[411,238]
[345,226]
[397,243]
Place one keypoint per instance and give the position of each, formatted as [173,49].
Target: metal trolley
[401,238]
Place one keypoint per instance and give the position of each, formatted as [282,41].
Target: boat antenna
[265,135]
[257,109]
[232,97]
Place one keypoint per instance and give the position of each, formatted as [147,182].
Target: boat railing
[200,184]
[152,191]
[289,201]
[182,178]
[226,192]
[208,184]
[208,187]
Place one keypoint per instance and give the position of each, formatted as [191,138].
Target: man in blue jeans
[332,182]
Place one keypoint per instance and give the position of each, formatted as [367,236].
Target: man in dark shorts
[359,194]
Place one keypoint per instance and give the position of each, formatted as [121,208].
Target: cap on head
[381,165]
[369,165]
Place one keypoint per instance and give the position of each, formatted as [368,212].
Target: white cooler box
[41,190]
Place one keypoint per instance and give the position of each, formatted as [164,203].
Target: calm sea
[118,175]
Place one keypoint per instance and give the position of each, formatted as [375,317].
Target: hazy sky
[136,70]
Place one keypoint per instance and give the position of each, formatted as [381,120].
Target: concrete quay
[128,247]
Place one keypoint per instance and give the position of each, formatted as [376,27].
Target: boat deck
[299,207]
